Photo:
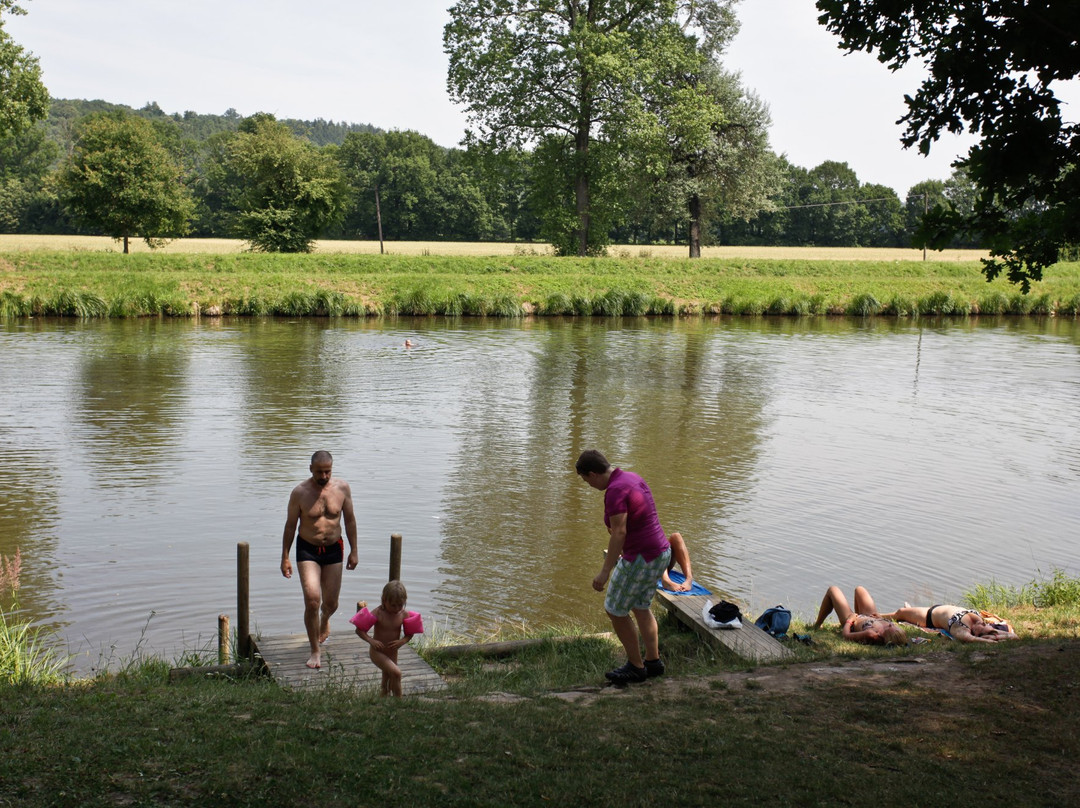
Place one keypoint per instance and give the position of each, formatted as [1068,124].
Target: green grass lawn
[98,284]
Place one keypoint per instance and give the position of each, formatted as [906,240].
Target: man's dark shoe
[654,667]
[626,675]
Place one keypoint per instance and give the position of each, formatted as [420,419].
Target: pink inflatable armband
[363,619]
[412,623]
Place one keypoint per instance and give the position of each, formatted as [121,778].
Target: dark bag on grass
[724,612]
[775,621]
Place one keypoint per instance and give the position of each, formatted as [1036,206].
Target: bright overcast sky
[381,62]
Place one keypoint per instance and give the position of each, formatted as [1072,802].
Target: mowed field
[221,246]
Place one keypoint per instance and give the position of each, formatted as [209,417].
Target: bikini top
[959,616]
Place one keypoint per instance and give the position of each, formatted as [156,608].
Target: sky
[381,62]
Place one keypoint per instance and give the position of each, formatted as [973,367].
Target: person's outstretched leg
[916,615]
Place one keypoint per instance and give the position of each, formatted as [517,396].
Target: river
[918,458]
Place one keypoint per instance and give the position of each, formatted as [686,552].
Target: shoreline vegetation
[938,723]
[86,278]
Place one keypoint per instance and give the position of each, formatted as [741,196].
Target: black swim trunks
[328,554]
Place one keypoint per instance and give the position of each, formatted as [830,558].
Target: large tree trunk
[581,185]
[125,245]
[695,226]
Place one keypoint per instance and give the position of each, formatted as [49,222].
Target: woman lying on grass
[965,625]
[864,624]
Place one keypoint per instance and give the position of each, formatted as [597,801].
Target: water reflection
[33,363]
[777,446]
[129,399]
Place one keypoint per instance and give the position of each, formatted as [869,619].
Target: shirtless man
[318,504]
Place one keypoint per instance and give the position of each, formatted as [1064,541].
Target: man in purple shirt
[638,554]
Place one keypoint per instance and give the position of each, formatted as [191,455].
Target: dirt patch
[947,674]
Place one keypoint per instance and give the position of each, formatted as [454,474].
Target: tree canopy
[992,69]
[565,75]
[121,179]
[23,98]
[273,189]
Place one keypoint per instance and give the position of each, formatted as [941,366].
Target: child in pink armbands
[386,623]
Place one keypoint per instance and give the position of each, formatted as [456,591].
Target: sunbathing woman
[864,624]
[965,625]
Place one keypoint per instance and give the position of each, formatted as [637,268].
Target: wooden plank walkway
[749,642]
[345,664]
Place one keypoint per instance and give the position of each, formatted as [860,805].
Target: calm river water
[918,459]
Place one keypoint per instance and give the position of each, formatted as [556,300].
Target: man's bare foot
[314,661]
[324,630]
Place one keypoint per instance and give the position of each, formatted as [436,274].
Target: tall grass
[1057,590]
[24,657]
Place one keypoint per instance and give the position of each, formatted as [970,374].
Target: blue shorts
[633,583]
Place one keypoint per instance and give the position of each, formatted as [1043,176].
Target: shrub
[864,305]
[994,303]
[939,303]
[558,303]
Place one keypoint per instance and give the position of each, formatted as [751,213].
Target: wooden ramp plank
[749,642]
[346,664]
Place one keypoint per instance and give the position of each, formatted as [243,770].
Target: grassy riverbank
[97,284]
[940,728]
[934,724]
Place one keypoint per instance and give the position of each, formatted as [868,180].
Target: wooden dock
[749,642]
[345,664]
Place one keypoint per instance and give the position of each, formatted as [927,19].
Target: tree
[564,75]
[24,162]
[956,193]
[121,181]
[271,188]
[23,98]
[712,151]
[992,68]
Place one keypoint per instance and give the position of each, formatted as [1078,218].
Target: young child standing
[386,636]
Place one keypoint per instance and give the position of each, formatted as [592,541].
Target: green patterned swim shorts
[633,583]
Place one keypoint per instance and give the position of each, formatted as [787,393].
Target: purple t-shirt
[627,493]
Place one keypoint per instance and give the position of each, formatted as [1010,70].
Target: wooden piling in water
[395,557]
[223,639]
[242,601]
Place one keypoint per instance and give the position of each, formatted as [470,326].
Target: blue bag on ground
[775,621]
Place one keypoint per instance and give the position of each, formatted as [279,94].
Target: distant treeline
[421,191]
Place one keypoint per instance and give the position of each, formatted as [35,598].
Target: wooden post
[395,557]
[223,639]
[378,217]
[242,593]
[925,208]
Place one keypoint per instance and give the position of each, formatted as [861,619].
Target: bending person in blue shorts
[637,556]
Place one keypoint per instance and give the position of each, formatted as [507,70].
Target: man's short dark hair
[592,461]
[322,457]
